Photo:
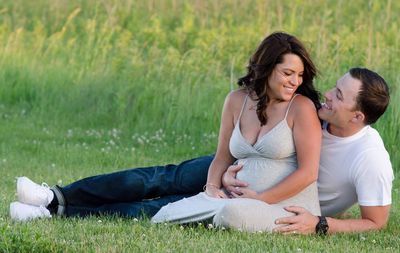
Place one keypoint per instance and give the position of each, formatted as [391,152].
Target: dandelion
[135,220]
[373,241]
[298,249]
[99,221]
[210,226]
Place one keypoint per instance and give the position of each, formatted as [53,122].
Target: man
[354,166]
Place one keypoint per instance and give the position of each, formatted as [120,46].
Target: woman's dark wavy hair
[261,64]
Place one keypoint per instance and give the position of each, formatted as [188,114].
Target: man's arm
[372,218]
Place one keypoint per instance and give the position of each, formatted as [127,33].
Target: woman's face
[286,78]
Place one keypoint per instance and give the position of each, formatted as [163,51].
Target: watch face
[322,226]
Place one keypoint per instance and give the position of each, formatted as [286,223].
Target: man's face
[340,102]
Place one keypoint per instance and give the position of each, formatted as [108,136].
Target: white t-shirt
[353,169]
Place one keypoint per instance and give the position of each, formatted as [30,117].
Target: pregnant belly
[262,173]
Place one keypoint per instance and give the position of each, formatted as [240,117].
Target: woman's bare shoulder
[236,97]
[303,104]
[303,110]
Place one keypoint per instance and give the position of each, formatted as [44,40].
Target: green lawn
[89,87]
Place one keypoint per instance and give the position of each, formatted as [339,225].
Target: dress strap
[241,111]
[290,103]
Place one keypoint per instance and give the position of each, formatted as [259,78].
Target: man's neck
[344,131]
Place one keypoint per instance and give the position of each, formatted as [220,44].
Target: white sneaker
[31,193]
[23,212]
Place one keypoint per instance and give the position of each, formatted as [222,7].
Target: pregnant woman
[270,126]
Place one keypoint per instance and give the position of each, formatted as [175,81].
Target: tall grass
[92,86]
[142,65]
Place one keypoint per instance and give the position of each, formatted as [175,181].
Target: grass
[89,87]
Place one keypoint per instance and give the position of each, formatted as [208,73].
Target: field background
[89,87]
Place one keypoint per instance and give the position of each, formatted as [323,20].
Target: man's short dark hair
[373,97]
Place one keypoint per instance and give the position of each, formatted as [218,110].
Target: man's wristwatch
[322,226]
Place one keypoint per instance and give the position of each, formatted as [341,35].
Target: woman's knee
[229,217]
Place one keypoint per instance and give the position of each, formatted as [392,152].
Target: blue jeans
[134,192]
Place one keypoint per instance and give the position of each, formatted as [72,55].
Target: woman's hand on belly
[229,180]
[215,192]
[245,193]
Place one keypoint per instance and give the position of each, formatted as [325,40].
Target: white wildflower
[70,133]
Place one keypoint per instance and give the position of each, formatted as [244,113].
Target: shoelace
[45,185]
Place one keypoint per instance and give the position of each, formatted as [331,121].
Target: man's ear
[359,117]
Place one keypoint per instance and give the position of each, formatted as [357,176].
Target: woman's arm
[307,138]
[223,157]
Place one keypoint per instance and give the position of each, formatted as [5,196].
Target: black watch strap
[322,226]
